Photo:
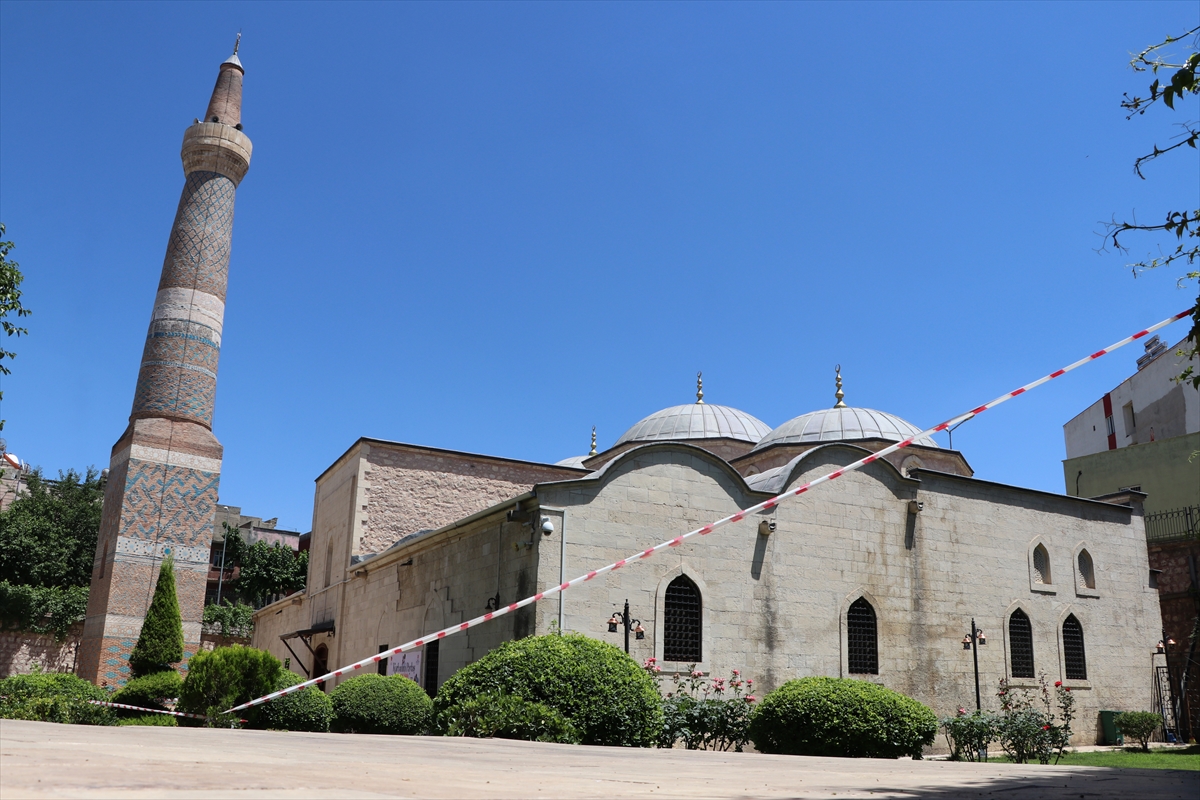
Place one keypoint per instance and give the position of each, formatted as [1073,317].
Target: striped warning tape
[707,529]
[150,710]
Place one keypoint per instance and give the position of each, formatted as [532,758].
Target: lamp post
[628,624]
[971,642]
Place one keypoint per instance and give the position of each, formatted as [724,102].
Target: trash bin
[1108,722]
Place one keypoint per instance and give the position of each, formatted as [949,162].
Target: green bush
[42,609]
[598,688]
[970,734]
[1138,725]
[504,716]
[841,717]
[390,704]
[1028,726]
[309,709]
[53,697]
[150,720]
[225,677]
[160,644]
[148,690]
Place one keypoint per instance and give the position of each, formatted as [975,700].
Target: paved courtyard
[43,760]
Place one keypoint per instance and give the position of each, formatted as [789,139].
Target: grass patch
[1184,758]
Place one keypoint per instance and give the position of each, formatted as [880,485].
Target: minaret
[161,493]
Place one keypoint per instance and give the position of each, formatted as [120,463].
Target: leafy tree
[48,534]
[271,569]
[160,643]
[229,619]
[1184,225]
[10,301]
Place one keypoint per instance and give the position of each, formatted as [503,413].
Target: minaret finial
[839,394]
[593,450]
[700,388]
[237,43]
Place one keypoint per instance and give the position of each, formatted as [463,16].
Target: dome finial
[237,43]
[700,388]
[593,452]
[839,394]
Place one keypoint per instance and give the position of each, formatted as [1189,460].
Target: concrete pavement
[44,760]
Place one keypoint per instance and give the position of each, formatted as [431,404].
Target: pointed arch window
[1041,565]
[1020,644]
[682,621]
[1073,653]
[862,638]
[1087,572]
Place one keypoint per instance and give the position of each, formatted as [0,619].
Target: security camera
[547,526]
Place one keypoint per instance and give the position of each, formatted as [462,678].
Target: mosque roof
[573,461]
[841,424]
[697,421]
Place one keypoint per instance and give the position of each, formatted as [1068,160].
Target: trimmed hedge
[306,710]
[220,679]
[1139,726]
[391,704]
[53,697]
[504,716]
[597,687]
[841,717]
[148,690]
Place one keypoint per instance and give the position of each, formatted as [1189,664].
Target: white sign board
[406,664]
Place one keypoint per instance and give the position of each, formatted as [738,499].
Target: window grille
[1087,574]
[682,617]
[429,679]
[1041,565]
[1020,643]
[862,639]
[1073,653]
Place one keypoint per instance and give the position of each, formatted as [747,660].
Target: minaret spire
[165,468]
[700,388]
[593,451]
[839,394]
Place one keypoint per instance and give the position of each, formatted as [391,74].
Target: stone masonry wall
[407,488]
[20,652]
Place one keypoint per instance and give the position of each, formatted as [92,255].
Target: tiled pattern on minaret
[166,468]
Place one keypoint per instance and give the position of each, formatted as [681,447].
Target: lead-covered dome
[697,421]
[843,424]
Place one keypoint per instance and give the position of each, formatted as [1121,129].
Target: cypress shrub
[841,717]
[220,679]
[147,692]
[604,693]
[160,643]
[391,704]
[53,697]
[306,710]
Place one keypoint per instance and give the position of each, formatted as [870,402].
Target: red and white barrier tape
[147,710]
[707,529]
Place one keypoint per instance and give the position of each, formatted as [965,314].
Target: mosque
[878,576]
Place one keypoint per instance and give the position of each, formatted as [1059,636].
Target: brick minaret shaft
[163,475]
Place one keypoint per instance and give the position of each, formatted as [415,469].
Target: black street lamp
[970,642]
[628,624]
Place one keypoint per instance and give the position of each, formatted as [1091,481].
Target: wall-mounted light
[614,621]
[766,527]
[915,507]
[966,642]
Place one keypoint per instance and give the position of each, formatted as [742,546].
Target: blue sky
[489,227]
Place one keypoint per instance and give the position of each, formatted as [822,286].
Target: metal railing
[1176,525]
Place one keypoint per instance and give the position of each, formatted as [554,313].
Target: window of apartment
[862,640]
[1130,419]
[1020,645]
[1073,653]
[682,621]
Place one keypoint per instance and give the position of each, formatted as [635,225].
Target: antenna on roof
[700,388]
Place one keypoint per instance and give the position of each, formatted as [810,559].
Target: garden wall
[21,651]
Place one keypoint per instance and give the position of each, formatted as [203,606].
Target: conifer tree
[161,642]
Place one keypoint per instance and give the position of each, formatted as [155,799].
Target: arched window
[681,618]
[1020,644]
[1073,654]
[861,638]
[320,664]
[1041,565]
[1087,574]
